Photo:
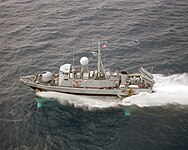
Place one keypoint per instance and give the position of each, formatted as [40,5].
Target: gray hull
[83,91]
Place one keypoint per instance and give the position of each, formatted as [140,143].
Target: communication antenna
[73,67]
[100,67]
[73,58]
[152,70]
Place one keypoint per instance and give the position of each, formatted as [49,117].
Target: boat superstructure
[100,81]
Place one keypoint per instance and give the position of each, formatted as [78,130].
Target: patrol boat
[99,82]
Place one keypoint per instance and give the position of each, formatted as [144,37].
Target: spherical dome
[46,76]
[84,61]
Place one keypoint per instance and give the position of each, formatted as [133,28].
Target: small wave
[132,43]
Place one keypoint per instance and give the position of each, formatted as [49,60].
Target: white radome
[84,61]
[47,76]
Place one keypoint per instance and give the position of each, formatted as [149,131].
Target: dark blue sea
[40,35]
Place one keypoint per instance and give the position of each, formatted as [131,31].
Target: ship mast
[73,58]
[99,56]
[73,66]
[99,62]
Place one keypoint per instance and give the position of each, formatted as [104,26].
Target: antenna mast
[99,56]
[99,61]
[73,67]
[73,58]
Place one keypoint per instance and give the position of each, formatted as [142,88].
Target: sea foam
[172,89]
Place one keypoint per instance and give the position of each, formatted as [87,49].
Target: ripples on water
[39,35]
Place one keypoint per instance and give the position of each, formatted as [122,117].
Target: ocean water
[40,35]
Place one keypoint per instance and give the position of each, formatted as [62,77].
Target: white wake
[172,89]
[85,102]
